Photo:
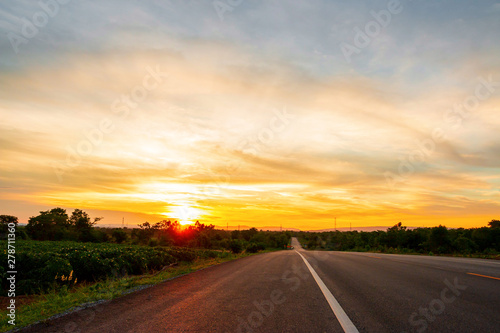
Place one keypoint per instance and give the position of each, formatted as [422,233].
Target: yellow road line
[374,257]
[486,276]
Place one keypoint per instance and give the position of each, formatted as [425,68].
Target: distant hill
[274,228]
[277,229]
[246,227]
[366,229]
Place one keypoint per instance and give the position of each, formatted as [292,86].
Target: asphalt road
[277,292]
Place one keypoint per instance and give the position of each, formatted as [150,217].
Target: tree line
[400,239]
[57,225]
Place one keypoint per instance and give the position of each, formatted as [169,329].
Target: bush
[153,242]
[235,246]
[252,248]
[119,235]
[465,245]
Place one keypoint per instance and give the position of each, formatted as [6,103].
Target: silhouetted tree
[494,224]
[5,220]
[483,237]
[81,220]
[55,224]
[49,225]
[397,236]
[439,240]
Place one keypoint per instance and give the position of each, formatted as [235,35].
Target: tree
[396,236]
[248,234]
[81,220]
[55,224]
[235,246]
[494,224]
[49,225]
[397,227]
[483,237]
[439,239]
[5,220]
[464,245]
[145,232]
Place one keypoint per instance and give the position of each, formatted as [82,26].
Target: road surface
[278,292]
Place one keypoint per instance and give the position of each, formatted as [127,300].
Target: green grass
[55,302]
[40,265]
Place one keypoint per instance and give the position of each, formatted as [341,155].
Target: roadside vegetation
[63,260]
[64,298]
[57,250]
[481,242]
[44,266]
[57,225]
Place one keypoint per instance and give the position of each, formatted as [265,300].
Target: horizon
[277,228]
[370,113]
[232,227]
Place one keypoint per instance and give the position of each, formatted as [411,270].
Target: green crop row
[44,265]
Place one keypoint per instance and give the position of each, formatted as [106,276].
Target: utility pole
[238,227]
[281,227]
[227,227]
[123,222]
[350,226]
[335,223]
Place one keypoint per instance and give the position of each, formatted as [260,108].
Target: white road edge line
[342,317]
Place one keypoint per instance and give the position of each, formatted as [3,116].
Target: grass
[46,305]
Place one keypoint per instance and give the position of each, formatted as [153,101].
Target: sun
[185,214]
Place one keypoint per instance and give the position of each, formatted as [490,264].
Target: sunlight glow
[185,214]
[251,129]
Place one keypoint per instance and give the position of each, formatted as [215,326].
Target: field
[56,276]
[47,265]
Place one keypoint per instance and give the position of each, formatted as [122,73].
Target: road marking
[486,276]
[374,257]
[342,317]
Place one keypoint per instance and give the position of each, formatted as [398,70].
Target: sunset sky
[257,113]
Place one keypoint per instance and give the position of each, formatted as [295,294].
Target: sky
[254,113]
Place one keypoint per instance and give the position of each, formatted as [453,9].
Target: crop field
[44,265]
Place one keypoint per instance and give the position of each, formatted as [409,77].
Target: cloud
[208,134]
